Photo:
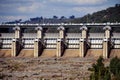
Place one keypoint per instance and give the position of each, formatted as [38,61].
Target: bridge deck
[67,25]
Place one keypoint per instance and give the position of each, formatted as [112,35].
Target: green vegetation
[111,14]
[100,72]
[115,68]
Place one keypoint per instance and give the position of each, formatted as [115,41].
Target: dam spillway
[61,43]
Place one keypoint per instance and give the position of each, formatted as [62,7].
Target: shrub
[99,71]
[115,68]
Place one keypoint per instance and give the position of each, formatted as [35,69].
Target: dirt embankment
[45,68]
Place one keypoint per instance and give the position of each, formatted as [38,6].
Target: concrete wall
[82,44]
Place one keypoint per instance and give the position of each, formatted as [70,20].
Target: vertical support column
[17,32]
[59,47]
[39,32]
[14,47]
[105,48]
[82,47]
[36,47]
[61,30]
[60,41]
[106,42]
[38,41]
[16,42]
[0,43]
[83,44]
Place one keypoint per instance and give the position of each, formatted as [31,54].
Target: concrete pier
[16,42]
[14,48]
[36,47]
[106,42]
[38,42]
[17,32]
[83,42]
[39,32]
[60,41]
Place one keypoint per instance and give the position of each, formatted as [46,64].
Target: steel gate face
[50,43]
[96,43]
[29,35]
[72,43]
[116,43]
[6,43]
[6,40]
[51,35]
[7,35]
[28,43]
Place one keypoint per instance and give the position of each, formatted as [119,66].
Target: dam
[60,43]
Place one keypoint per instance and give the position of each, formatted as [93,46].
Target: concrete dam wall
[61,44]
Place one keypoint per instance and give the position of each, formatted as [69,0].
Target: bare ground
[46,68]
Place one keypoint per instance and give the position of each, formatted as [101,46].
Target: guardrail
[61,24]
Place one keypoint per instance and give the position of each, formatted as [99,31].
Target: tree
[41,18]
[63,17]
[72,17]
[99,71]
[115,68]
[55,17]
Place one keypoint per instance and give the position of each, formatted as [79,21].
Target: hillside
[111,14]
